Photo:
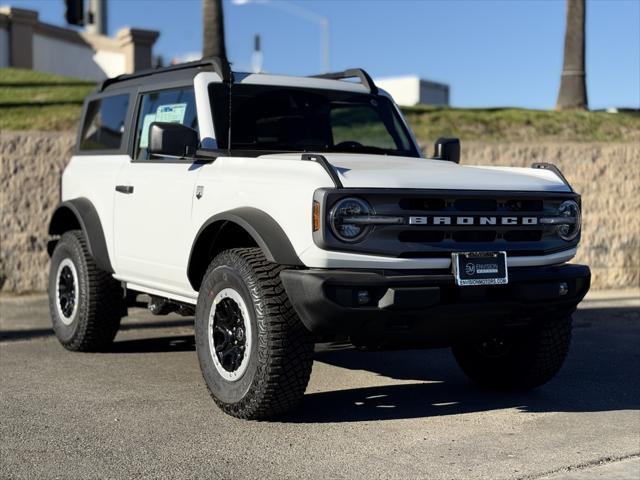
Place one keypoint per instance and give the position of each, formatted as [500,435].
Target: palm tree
[573,87]
[213,29]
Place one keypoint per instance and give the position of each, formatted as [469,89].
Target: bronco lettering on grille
[465,220]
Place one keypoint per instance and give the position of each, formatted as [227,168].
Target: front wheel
[254,353]
[520,361]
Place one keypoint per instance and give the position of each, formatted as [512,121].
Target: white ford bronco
[280,211]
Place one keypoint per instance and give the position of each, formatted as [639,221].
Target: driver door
[154,197]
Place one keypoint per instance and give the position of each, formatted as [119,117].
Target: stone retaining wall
[606,174]
[31,166]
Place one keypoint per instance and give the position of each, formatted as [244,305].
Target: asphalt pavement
[142,410]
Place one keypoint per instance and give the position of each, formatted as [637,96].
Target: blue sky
[491,52]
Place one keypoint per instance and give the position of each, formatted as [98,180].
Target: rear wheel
[86,303]
[520,361]
[254,353]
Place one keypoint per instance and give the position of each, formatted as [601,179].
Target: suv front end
[392,305]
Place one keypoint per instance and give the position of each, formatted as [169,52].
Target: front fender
[262,228]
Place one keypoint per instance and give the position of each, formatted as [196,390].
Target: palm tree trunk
[213,29]
[573,87]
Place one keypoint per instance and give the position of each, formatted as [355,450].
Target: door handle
[124,188]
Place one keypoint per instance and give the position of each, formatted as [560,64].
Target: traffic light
[75,12]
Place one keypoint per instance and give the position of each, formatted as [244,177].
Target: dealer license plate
[480,268]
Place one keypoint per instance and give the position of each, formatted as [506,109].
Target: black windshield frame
[231,105]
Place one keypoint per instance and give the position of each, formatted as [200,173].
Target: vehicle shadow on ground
[600,374]
[176,343]
[10,335]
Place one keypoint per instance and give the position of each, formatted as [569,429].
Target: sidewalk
[621,298]
[628,469]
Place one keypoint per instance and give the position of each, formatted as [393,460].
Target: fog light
[363,297]
[563,289]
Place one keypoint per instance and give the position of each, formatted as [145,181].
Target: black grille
[474,236]
[523,235]
[524,205]
[465,234]
[475,205]
[427,236]
[420,240]
[422,204]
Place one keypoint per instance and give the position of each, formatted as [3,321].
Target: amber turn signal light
[316,216]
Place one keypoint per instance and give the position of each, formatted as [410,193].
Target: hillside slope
[40,101]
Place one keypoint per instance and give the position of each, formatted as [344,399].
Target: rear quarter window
[104,122]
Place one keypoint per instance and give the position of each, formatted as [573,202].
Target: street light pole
[298,11]
[326,45]
[97,17]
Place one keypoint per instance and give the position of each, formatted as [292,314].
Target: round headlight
[569,231]
[342,212]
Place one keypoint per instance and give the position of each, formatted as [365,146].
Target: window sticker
[173,113]
[146,123]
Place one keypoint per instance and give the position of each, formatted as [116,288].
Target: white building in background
[26,42]
[409,91]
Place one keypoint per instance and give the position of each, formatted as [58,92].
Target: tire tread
[104,303]
[286,357]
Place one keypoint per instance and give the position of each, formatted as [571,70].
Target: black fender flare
[264,230]
[86,216]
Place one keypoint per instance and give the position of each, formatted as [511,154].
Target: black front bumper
[428,307]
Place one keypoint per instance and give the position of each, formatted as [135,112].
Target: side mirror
[447,149]
[172,139]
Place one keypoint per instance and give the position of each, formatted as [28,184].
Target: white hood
[379,171]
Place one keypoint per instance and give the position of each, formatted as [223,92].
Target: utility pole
[256,59]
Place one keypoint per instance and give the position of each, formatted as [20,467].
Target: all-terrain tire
[280,353]
[99,303]
[520,362]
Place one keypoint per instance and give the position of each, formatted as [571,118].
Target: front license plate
[480,268]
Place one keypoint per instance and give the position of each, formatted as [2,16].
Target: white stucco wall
[71,59]
[4,47]
[111,63]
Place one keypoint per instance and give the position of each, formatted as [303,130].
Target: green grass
[22,76]
[40,101]
[518,125]
[46,118]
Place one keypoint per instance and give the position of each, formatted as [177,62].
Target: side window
[175,106]
[104,123]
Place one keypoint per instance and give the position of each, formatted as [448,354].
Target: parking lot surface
[142,410]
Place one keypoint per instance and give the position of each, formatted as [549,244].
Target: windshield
[273,118]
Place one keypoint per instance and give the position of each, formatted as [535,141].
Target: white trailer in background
[411,90]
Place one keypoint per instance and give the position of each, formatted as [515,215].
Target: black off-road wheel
[255,354]
[521,361]
[86,303]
